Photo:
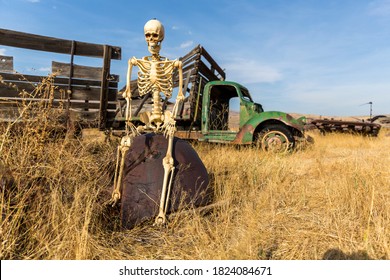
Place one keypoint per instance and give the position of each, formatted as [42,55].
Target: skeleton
[155,76]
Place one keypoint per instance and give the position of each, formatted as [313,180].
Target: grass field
[328,201]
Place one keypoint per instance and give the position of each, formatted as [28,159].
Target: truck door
[223,112]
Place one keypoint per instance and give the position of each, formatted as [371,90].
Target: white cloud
[34,1]
[186,44]
[250,71]
[45,69]
[2,51]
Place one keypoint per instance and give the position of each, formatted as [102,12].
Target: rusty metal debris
[358,127]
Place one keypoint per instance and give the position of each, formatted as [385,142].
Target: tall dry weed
[50,184]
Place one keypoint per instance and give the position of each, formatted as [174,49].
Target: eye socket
[148,35]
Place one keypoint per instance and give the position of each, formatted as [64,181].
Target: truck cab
[229,115]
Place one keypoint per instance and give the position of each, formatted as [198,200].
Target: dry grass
[328,201]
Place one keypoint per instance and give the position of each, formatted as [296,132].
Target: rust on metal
[245,135]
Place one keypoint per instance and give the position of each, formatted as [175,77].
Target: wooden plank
[13,77]
[78,92]
[10,92]
[104,88]
[10,77]
[83,72]
[191,63]
[16,88]
[193,77]
[50,44]
[82,82]
[90,105]
[192,67]
[92,94]
[17,102]
[206,72]
[8,114]
[6,63]
[79,71]
[20,78]
[213,63]
[195,52]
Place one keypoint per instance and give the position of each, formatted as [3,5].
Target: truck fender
[256,124]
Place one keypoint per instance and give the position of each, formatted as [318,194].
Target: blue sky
[303,56]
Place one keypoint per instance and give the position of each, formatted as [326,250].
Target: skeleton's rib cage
[154,75]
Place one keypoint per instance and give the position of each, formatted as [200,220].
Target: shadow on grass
[337,254]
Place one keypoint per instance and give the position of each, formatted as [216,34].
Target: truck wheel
[275,138]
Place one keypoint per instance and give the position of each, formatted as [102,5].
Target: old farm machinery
[366,128]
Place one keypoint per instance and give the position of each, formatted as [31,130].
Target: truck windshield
[245,94]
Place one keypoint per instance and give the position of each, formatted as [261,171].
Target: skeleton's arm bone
[132,62]
[180,95]
[178,64]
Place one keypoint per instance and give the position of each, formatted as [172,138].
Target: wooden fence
[88,93]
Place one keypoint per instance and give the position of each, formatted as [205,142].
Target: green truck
[221,111]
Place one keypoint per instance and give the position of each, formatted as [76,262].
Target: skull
[154,34]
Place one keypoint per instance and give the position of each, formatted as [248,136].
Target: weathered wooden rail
[88,93]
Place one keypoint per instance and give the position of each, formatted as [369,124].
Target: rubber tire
[279,135]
